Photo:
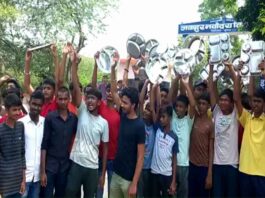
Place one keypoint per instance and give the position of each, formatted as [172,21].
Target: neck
[63,111]
[95,112]
[132,115]
[257,115]
[167,128]
[34,118]
[10,122]
[110,104]
[204,115]
[46,100]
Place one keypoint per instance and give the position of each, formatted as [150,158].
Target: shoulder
[173,135]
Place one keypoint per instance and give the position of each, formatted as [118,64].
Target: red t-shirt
[113,119]
[52,106]
[3,119]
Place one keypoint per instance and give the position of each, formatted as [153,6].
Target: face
[47,91]
[109,95]
[203,106]
[147,114]
[225,104]
[14,112]
[126,105]
[11,85]
[92,103]
[257,105]
[119,84]
[163,96]
[62,100]
[35,106]
[181,109]
[198,91]
[165,120]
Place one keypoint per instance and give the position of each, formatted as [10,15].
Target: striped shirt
[12,158]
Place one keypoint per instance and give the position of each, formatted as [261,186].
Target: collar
[57,115]
[28,119]
[261,117]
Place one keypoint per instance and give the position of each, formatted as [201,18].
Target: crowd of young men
[152,141]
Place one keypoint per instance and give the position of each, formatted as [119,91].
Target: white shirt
[90,130]
[33,139]
[226,137]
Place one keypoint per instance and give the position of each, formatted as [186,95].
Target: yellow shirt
[252,154]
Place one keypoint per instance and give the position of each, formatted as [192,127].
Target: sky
[154,19]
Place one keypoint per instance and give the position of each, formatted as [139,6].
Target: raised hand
[68,48]
[115,59]
[54,50]
[28,56]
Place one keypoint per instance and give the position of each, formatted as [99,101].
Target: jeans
[225,181]
[79,176]
[182,181]
[145,184]
[32,190]
[119,187]
[16,195]
[160,185]
[109,172]
[57,182]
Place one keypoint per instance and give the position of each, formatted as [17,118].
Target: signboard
[221,25]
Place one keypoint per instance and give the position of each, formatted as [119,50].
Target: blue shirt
[149,145]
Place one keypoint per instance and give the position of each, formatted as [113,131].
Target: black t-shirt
[132,133]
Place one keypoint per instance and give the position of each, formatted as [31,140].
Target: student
[12,151]
[59,130]
[225,168]
[181,124]
[130,154]
[252,159]
[163,167]
[201,150]
[91,129]
[34,126]
[149,117]
[108,111]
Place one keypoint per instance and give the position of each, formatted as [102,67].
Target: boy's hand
[22,187]
[208,182]
[172,189]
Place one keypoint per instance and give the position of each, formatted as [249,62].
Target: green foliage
[253,17]
[211,9]
[28,23]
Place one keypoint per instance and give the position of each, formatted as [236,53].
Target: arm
[237,95]
[139,165]
[113,86]
[95,71]
[27,84]
[23,183]
[126,72]
[208,182]
[173,92]
[231,70]
[56,67]
[154,105]
[172,189]
[142,96]
[212,87]
[104,165]
[251,87]
[190,96]
[78,94]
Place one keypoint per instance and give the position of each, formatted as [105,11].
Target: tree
[37,22]
[211,9]
[252,14]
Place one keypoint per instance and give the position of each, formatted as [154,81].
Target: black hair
[132,93]
[94,92]
[12,100]
[12,80]
[229,93]
[71,86]
[205,97]
[184,99]
[37,95]
[49,81]
[12,90]
[245,101]
[164,89]
[63,89]
[167,109]
[108,86]
[260,93]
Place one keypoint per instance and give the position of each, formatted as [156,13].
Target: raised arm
[27,84]
[231,70]
[113,85]
[173,91]
[142,96]
[251,87]
[154,104]
[237,95]
[95,71]
[212,87]
[126,71]
[56,67]
[192,101]
[78,94]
